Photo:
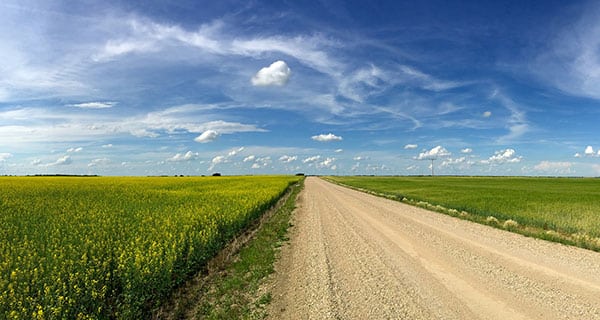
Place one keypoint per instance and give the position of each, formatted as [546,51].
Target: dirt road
[356,256]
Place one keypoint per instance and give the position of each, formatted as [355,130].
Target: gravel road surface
[357,256]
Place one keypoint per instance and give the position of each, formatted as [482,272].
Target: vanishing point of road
[357,256]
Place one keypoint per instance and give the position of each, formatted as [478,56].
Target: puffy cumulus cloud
[249,158]
[487,114]
[4,156]
[261,162]
[435,152]
[277,74]
[326,137]
[554,167]
[235,152]
[94,105]
[466,150]
[255,166]
[217,160]
[78,149]
[188,156]
[224,158]
[588,152]
[411,146]
[327,163]
[458,163]
[207,136]
[62,161]
[503,156]
[288,159]
[312,159]
[99,161]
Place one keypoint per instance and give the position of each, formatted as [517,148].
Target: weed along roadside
[231,287]
[563,210]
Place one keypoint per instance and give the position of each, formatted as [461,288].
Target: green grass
[114,248]
[234,294]
[560,209]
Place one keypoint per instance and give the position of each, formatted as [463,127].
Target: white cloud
[339,150]
[487,114]
[255,166]
[43,125]
[277,74]
[224,158]
[327,163]
[235,151]
[411,146]
[360,158]
[589,151]
[466,150]
[107,145]
[459,163]
[63,160]
[4,156]
[503,156]
[572,63]
[207,136]
[263,161]
[311,159]
[99,161]
[216,160]
[554,167]
[326,137]
[517,123]
[288,159]
[435,152]
[249,158]
[427,81]
[184,157]
[94,105]
[78,149]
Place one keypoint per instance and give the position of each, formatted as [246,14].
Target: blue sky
[321,87]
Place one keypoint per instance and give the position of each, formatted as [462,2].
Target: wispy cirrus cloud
[94,105]
[572,63]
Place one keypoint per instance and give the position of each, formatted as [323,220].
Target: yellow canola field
[104,247]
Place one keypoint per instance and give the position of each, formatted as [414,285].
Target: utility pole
[432,159]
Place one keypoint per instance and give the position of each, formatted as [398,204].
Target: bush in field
[105,248]
[492,220]
[510,224]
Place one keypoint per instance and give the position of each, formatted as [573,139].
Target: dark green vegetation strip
[566,210]
[114,248]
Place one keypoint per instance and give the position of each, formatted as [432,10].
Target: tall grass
[568,206]
[105,248]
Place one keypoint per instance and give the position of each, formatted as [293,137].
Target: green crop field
[561,209]
[105,248]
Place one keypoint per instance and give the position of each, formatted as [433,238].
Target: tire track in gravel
[357,256]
